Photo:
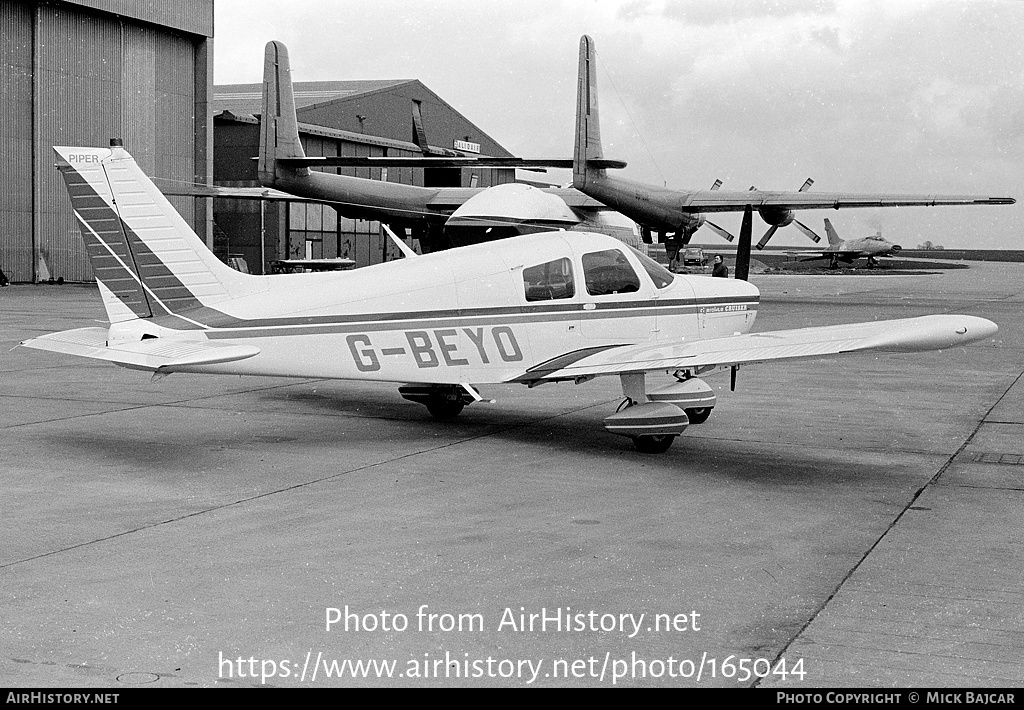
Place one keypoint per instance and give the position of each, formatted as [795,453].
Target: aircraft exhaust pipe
[896,248]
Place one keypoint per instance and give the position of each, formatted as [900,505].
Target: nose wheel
[654,444]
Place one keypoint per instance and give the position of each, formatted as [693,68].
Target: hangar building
[336,118]
[80,72]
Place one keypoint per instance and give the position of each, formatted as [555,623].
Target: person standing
[720,270]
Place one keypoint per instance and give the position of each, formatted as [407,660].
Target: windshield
[661,276]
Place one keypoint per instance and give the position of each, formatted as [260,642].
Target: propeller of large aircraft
[742,270]
[783,217]
[774,217]
[724,234]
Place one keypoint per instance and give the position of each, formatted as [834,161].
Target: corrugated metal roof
[195,16]
[247,98]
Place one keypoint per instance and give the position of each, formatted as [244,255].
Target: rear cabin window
[609,272]
[549,281]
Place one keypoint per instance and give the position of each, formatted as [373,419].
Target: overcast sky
[914,96]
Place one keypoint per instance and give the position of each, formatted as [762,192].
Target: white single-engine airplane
[532,309]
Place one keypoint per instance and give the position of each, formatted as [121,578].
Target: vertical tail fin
[588,123]
[146,258]
[830,232]
[279,128]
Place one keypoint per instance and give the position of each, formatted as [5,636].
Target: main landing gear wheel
[444,409]
[444,402]
[653,444]
[698,415]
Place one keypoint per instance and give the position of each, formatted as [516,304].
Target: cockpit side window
[609,271]
[548,281]
[661,276]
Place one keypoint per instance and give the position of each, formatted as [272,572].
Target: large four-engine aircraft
[550,307]
[684,211]
[442,216]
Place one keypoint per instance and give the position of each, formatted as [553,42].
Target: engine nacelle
[687,224]
[690,222]
[776,216]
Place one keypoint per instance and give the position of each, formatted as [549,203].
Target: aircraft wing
[179,189]
[152,354]
[421,161]
[445,198]
[841,254]
[903,335]
[736,201]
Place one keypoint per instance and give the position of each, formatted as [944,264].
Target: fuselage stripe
[389,322]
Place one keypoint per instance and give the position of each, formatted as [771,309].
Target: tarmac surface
[853,521]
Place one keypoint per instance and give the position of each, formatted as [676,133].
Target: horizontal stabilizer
[903,335]
[152,354]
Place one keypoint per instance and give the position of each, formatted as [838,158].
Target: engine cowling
[690,222]
[776,216]
[687,224]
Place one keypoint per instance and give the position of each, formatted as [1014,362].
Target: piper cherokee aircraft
[532,309]
[684,211]
[849,250]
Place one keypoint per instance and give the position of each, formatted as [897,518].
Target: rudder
[588,123]
[833,238]
[279,128]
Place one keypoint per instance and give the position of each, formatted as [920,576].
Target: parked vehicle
[694,257]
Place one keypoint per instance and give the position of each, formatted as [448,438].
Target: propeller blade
[743,248]
[719,231]
[807,230]
[767,235]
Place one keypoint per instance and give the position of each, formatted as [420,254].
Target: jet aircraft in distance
[532,309]
[666,210]
[849,250]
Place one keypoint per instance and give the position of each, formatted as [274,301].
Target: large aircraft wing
[420,161]
[154,354]
[445,198]
[736,201]
[182,189]
[903,335]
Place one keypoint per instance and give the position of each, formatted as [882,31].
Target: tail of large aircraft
[588,123]
[147,260]
[833,238]
[279,129]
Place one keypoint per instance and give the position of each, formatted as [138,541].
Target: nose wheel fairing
[654,419]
